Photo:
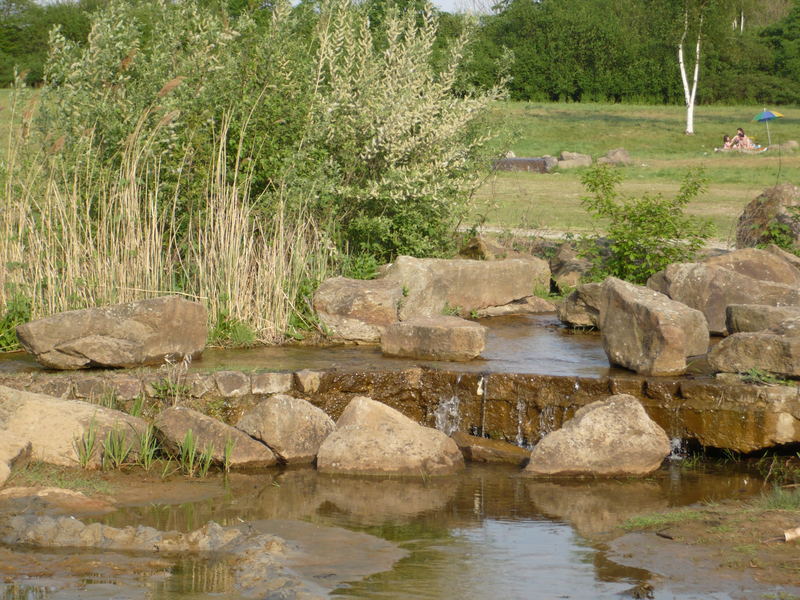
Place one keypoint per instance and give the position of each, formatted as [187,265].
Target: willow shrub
[237,161]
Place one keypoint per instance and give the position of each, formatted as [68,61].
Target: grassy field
[662,154]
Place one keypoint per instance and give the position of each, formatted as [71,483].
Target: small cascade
[520,439]
[678,450]
[547,420]
[447,413]
[483,387]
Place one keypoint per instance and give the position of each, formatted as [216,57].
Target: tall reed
[77,233]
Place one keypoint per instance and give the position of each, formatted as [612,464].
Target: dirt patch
[729,546]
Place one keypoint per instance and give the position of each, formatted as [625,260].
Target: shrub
[644,234]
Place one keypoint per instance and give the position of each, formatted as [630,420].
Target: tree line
[547,50]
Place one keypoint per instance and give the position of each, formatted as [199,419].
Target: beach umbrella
[765,116]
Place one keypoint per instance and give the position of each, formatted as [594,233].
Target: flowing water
[531,344]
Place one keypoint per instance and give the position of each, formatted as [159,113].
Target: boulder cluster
[608,437]
[751,296]
[416,307]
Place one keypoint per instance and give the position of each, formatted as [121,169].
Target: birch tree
[690,91]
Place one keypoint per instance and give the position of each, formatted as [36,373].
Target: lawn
[661,152]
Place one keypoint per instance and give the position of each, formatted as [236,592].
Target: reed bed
[78,234]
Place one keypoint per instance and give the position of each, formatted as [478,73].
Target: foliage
[86,445]
[644,234]
[17,312]
[661,519]
[148,447]
[116,448]
[192,461]
[234,159]
[762,377]
[42,474]
[780,499]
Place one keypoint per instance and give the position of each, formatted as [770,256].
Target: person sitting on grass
[727,143]
[741,141]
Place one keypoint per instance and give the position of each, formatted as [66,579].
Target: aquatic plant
[148,447]
[86,445]
[116,448]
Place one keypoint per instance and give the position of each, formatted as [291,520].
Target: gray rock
[308,381]
[647,332]
[374,439]
[711,288]
[271,383]
[612,437]
[232,384]
[581,308]
[359,310]
[574,160]
[526,306]
[292,427]
[776,350]
[772,209]
[757,317]
[618,157]
[431,284]
[173,424]
[567,268]
[435,338]
[55,426]
[123,335]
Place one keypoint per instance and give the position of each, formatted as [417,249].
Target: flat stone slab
[435,338]
[485,450]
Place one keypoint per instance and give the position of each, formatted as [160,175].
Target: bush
[644,234]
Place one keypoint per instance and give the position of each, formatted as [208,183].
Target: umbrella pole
[769,139]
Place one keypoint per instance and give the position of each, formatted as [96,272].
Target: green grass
[780,499]
[662,154]
[661,519]
[45,475]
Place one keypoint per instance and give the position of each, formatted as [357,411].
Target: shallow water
[536,344]
[487,533]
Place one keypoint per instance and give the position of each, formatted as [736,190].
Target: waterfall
[677,448]
[520,440]
[447,414]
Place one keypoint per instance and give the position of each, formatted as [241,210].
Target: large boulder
[776,350]
[612,437]
[434,338]
[55,427]
[431,285]
[763,265]
[174,423]
[374,439]
[711,288]
[757,317]
[647,332]
[581,308]
[774,210]
[358,310]
[294,428]
[531,305]
[123,335]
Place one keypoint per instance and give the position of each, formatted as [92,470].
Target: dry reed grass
[76,235]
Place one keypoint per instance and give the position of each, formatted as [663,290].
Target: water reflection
[485,533]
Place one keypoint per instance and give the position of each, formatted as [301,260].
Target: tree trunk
[689,92]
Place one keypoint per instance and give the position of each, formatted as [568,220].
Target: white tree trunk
[689,92]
